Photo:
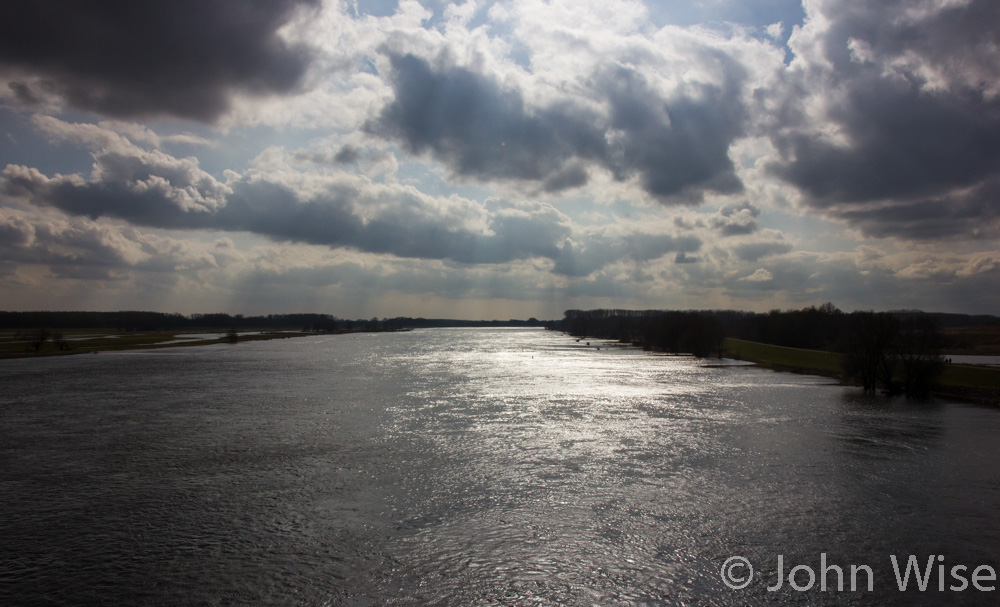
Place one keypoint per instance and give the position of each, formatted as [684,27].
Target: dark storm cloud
[679,144]
[275,211]
[127,58]
[153,192]
[572,176]
[139,206]
[904,143]
[480,129]
[408,224]
[969,214]
[676,146]
[920,118]
[259,207]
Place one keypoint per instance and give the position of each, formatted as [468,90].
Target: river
[464,467]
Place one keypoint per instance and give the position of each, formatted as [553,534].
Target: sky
[499,158]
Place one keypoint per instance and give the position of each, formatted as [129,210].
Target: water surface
[471,467]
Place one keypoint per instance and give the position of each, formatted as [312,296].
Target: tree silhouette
[898,355]
[918,347]
[39,337]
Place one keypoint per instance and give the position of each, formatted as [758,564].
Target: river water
[477,467]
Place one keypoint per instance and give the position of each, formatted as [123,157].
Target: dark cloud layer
[919,113]
[411,229]
[480,129]
[904,143]
[676,146]
[125,58]
[969,214]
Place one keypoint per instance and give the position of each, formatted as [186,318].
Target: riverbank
[967,382]
[95,341]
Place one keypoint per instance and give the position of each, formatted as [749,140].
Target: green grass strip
[960,377]
[803,361]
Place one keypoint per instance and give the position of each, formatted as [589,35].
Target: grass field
[979,383]
[966,376]
[796,359]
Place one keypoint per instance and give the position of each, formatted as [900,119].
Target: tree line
[129,321]
[698,333]
[897,352]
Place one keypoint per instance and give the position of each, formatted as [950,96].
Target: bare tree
[867,345]
[918,347]
[897,355]
[60,341]
[39,337]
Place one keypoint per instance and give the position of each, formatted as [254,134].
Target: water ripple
[465,467]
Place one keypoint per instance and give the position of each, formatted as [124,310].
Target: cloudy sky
[499,158]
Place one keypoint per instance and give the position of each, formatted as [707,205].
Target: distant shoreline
[141,340]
